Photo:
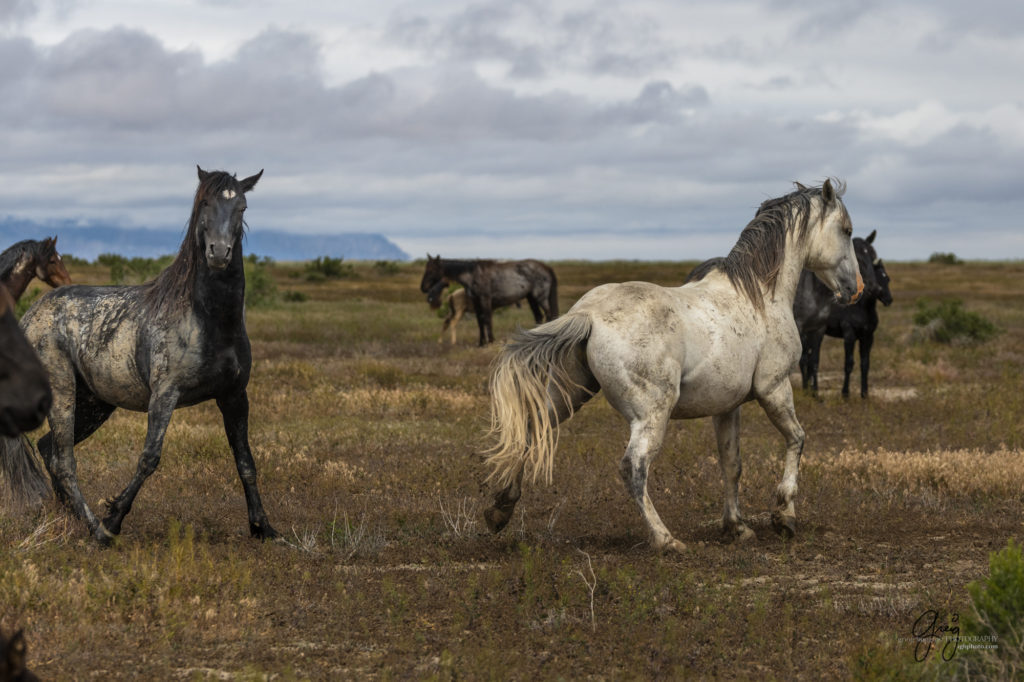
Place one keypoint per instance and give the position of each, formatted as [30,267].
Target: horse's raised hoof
[496,518]
[784,525]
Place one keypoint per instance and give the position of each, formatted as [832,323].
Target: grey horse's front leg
[161,407]
[779,407]
[235,410]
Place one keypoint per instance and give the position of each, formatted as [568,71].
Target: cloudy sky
[594,129]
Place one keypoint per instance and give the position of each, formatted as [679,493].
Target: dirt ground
[368,436]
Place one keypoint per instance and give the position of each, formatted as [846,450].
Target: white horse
[702,349]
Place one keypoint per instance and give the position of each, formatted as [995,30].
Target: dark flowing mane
[10,258]
[756,259]
[171,291]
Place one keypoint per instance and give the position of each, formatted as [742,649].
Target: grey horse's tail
[26,481]
[539,379]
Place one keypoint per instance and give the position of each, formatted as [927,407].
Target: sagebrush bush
[947,321]
[945,258]
[993,633]
[325,267]
[260,287]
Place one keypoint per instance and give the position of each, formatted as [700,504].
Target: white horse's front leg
[779,406]
[646,437]
[727,431]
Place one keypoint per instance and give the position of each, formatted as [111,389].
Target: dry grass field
[368,433]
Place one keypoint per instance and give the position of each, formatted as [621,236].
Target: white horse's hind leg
[646,437]
[727,431]
[779,407]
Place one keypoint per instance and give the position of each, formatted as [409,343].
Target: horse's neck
[16,280]
[219,296]
[459,270]
[788,278]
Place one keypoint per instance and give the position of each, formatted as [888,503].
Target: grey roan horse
[495,284]
[24,390]
[817,313]
[176,341]
[702,349]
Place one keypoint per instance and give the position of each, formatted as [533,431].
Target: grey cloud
[531,38]
[17,11]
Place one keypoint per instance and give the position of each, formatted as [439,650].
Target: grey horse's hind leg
[584,387]
[779,407]
[727,431]
[161,407]
[235,410]
[646,437]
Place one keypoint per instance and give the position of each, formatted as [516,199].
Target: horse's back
[700,338]
[92,334]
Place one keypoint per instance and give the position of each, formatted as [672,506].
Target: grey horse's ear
[871,237]
[202,173]
[827,193]
[800,186]
[250,181]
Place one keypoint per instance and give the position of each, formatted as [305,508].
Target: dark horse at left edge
[24,390]
[495,284]
[176,341]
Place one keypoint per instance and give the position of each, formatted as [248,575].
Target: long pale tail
[539,379]
[25,480]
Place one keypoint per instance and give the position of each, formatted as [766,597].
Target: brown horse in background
[494,284]
[459,304]
[30,258]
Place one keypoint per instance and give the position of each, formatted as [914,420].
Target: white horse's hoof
[673,545]
[784,524]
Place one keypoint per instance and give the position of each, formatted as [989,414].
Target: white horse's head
[830,253]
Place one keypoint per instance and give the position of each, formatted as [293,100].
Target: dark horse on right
[495,284]
[817,314]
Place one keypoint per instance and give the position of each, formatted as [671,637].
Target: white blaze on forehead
[228,194]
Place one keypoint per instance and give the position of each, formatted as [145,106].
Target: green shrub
[386,267]
[948,321]
[260,287]
[133,270]
[73,261]
[295,296]
[992,645]
[325,267]
[26,301]
[945,258]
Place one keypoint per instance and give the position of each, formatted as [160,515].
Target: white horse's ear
[871,237]
[827,193]
[800,186]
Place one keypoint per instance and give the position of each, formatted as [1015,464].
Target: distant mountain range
[91,239]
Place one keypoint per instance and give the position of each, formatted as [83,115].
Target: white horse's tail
[539,379]
[25,480]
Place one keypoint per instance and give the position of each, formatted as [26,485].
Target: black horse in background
[175,341]
[495,284]
[817,315]
[24,390]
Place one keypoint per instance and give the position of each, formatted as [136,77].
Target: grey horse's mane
[756,259]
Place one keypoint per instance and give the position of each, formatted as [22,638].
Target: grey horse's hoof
[784,525]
